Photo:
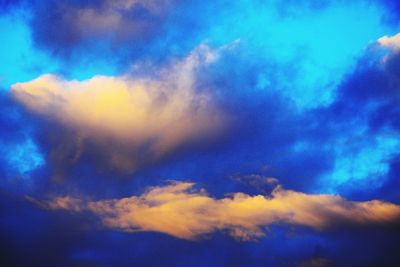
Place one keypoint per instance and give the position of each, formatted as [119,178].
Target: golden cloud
[140,118]
[181,211]
[392,42]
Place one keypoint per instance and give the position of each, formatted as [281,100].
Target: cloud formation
[80,22]
[138,119]
[181,211]
[124,18]
[392,42]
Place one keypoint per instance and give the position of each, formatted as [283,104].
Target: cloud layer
[181,211]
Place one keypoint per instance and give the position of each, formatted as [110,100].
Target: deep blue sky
[199,133]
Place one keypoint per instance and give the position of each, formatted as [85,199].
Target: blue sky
[252,133]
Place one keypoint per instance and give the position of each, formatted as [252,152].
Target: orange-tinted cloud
[392,42]
[181,211]
[140,118]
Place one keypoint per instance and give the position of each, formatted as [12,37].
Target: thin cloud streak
[181,211]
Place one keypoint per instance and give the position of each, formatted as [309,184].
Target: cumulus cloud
[182,211]
[136,119]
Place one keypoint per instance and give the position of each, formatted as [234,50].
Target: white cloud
[392,42]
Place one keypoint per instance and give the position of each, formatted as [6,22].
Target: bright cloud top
[148,115]
[392,42]
[181,211]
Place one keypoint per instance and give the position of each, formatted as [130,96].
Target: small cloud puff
[392,42]
[181,211]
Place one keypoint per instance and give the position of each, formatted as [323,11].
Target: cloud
[78,22]
[181,211]
[392,42]
[133,119]
[124,18]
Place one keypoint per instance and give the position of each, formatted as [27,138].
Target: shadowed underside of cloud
[181,211]
[134,120]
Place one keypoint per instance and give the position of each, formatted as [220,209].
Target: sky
[199,133]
